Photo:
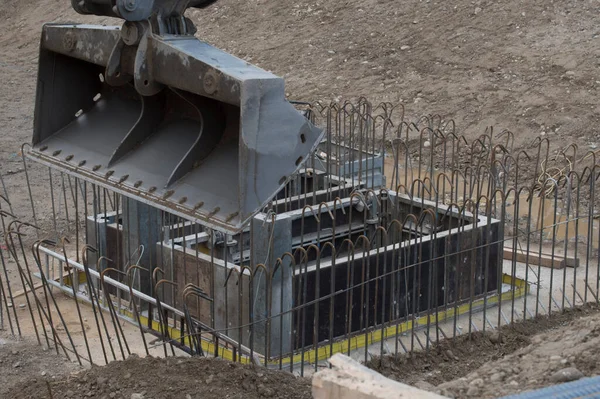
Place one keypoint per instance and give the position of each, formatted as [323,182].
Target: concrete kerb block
[348,379]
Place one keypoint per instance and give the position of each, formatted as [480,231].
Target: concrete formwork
[409,270]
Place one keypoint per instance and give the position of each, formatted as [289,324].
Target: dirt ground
[24,361]
[531,67]
[524,356]
[27,373]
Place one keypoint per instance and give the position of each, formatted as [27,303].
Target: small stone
[477,382]
[127,376]
[112,395]
[247,386]
[22,305]
[137,396]
[570,73]
[477,10]
[497,377]
[425,386]
[495,338]
[473,391]
[405,47]
[451,355]
[427,144]
[444,392]
[514,383]
[209,379]
[555,358]
[17,365]
[188,396]
[43,373]
[265,391]
[564,361]
[566,375]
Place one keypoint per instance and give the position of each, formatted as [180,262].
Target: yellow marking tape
[519,288]
[324,352]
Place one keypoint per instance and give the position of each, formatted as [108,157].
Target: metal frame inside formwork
[279,295]
[337,263]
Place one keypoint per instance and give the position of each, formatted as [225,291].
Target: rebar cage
[393,236]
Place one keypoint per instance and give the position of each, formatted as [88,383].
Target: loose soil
[528,66]
[24,361]
[22,367]
[519,357]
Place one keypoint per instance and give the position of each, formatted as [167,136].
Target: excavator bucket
[151,112]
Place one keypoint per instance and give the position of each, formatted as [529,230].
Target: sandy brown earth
[531,67]
[26,372]
[527,355]
[24,361]
[525,66]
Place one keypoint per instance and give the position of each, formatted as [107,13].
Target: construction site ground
[525,356]
[530,67]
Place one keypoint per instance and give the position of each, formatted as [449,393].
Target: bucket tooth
[178,117]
